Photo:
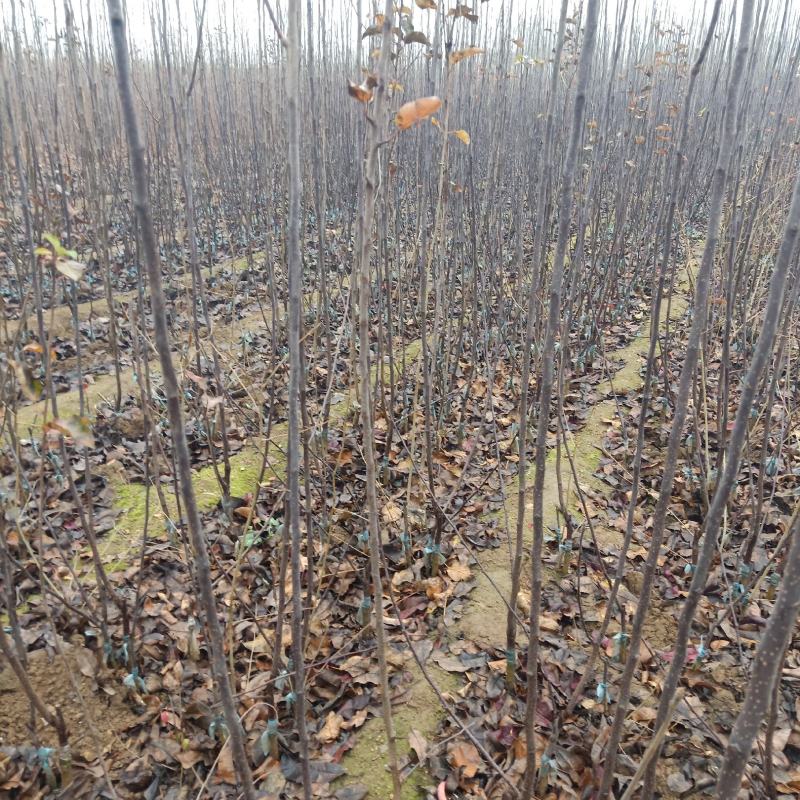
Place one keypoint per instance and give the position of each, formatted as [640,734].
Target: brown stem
[171,387]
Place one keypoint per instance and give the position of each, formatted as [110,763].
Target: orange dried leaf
[344,457]
[392,512]
[415,37]
[458,572]
[460,55]
[331,729]
[416,110]
[31,387]
[243,511]
[359,92]
[463,10]
[466,756]
[79,429]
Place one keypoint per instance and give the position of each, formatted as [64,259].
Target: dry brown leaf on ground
[418,744]
[458,571]
[331,729]
[465,755]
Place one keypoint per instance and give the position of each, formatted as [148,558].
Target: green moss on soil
[486,605]
[23,608]
[126,536]
[58,321]
[130,498]
[366,763]
[104,387]
[245,471]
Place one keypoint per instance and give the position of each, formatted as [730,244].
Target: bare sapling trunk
[516,567]
[687,375]
[545,395]
[733,457]
[368,193]
[172,391]
[295,264]
[768,663]
[655,316]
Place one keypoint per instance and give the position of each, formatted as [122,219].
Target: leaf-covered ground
[157,722]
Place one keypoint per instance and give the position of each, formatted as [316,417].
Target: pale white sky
[241,16]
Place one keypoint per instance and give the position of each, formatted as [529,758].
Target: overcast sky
[240,17]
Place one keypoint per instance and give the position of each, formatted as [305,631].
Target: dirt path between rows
[58,320]
[125,537]
[483,620]
[103,387]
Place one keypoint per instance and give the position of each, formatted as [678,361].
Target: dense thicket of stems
[527,346]
[548,372]
[319,389]
[717,194]
[162,341]
[766,667]
[773,643]
[370,178]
